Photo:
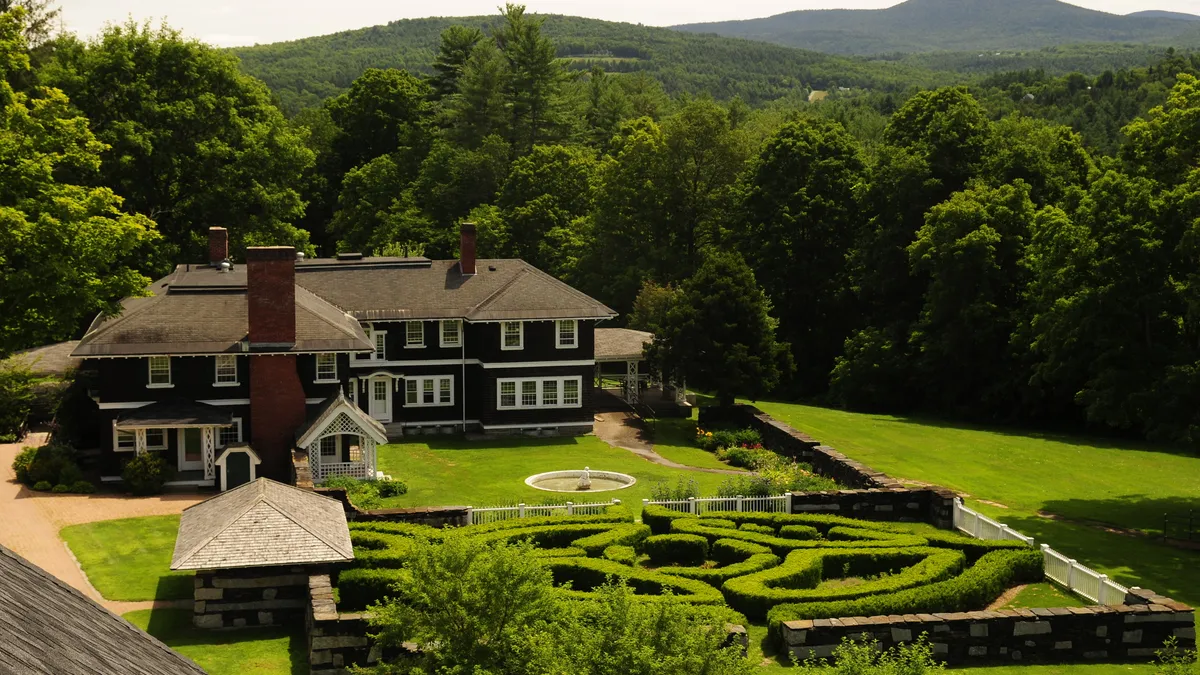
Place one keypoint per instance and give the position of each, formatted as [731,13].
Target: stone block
[319,657]
[338,660]
[261,582]
[207,621]
[270,593]
[1065,644]
[339,641]
[795,637]
[1142,651]
[883,508]
[256,606]
[198,582]
[1101,631]
[1016,655]
[266,618]
[901,635]
[1188,633]
[198,607]
[239,623]
[1159,617]
[1031,628]
[979,630]
[1098,654]
[1131,636]
[821,652]
[941,648]
[209,594]
[978,650]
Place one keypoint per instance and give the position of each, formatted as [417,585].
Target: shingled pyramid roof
[49,628]
[260,524]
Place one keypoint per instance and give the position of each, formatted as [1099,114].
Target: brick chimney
[218,245]
[276,394]
[271,291]
[466,249]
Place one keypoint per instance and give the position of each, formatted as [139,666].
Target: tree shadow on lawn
[459,442]
[174,628]
[175,587]
[1138,512]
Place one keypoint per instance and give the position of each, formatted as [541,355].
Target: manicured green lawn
[454,471]
[130,559]
[674,439]
[1044,594]
[1127,485]
[262,651]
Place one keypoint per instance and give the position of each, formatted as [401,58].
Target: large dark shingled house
[225,368]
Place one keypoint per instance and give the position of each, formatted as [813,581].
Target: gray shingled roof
[175,414]
[197,310]
[262,523]
[52,359]
[621,343]
[49,628]
[500,290]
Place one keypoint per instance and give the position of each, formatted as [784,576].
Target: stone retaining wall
[1132,631]
[434,516]
[926,505]
[335,640]
[258,596]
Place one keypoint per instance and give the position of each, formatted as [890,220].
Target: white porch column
[208,451]
[314,461]
[139,436]
[369,455]
[631,382]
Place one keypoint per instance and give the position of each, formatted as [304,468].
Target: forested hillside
[305,72]
[956,25]
[1022,250]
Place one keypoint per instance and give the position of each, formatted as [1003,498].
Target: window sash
[414,334]
[534,393]
[329,446]
[431,390]
[160,370]
[568,333]
[445,390]
[410,392]
[380,347]
[227,436]
[508,393]
[451,333]
[156,439]
[570,395]
[125,440]
[513,335]
[327,368]
[549,392]
[227,372]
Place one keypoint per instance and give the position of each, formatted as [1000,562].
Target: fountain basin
[568,481]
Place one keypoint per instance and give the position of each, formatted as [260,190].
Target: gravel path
[624,430]
[30,521]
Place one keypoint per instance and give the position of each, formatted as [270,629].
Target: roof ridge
[302,526]
[318,314]
[498,292]
[566,286]
[123,315]
[205,542]
[34,569]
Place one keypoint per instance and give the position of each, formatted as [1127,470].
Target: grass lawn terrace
[443,471]
[130,559]
[262,651]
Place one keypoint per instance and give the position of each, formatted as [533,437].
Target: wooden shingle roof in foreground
[260,524]
[49,628]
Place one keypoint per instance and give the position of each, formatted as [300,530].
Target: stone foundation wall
[926,505]
[434,516]
[261,596]
[1129,632]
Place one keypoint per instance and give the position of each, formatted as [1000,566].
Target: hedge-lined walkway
[32,520]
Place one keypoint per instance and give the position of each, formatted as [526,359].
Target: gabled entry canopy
[337,415]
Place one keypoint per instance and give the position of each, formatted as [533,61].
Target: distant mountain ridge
[1161,14]
[958,25]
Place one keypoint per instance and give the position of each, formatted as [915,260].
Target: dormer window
[414,334]
[160,372]
[451,333]
[512,335]
[568,334]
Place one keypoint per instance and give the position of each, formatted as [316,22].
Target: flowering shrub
[714,440]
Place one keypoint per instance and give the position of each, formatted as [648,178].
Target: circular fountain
[580,481]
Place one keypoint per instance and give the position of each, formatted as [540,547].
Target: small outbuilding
[623,374]
[253,549]
[49,628]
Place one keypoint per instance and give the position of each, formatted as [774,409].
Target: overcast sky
[242,22]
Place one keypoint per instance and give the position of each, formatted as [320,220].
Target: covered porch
[187,435]
[623,374]
[340,440]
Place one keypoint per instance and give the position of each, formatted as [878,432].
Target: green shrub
[146,474]
[755,527]
[726,551]
[620,535]
[683,488]
[391,488]
[585,574]
[866,656]
[796,579]
[718,522]
[61,488]
[978,585]
[676,549]
[16,398]
[736,558]
[799,532]
[625,555]
[783,545]
[53,464]
[83,487]
[748,437]
[359,588]
[749,458]
[659,517]
[42,486]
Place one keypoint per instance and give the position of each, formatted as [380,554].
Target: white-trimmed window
[512,335]
[327,368]
[227,371]
[124,440]
[329,447]
[437,390]
[538,392]
[227,436]
[160,371]
[451,333]
[414,334]
[379,338]
[156,439]
[568,333]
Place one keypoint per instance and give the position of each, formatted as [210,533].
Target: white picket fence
[492,514]
[1067,572]
[699,505]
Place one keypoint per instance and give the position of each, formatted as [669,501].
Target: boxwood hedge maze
[756,567]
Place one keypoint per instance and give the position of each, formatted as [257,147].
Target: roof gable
[262,523]
[329,414]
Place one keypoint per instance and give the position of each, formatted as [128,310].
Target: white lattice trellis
[342,425]
[208,447]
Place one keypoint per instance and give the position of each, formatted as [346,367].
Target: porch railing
[326,470]
[491,514]
[699,505]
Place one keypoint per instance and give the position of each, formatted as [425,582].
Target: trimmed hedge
[994,573]
[783,545]
[726,551]
[659,518]
[736,558]
[625,555]
[796,579]
[585,574]
[676,549]
[622,535]
[719,522]
[755,527]
[799,532]
[359,587]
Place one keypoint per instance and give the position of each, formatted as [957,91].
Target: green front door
[237,470]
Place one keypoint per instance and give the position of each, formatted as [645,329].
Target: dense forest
[934,25]
[1020,250]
